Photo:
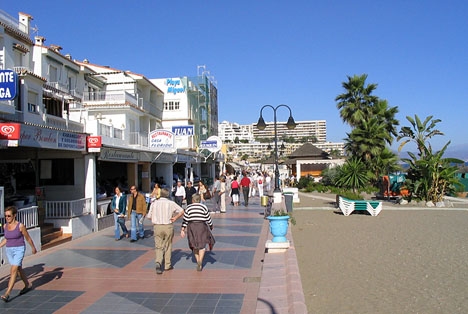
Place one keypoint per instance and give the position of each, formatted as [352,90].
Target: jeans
[245,191]
[119,224]
[136,230]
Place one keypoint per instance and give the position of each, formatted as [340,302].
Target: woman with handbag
[119,206]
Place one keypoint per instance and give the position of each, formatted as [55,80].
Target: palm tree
[355,103]
[419,132]
[353,174]
[369,140]
[387,116]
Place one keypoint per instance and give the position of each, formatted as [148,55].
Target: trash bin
[288,201]
[264,200]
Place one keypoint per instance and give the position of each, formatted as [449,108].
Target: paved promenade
[96,274]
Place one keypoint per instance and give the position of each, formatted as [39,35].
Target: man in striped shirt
[163,213]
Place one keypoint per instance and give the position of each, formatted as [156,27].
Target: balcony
[63,124]
[138,139]
[62,90]
[109,98]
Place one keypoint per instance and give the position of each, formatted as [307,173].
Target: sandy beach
[406,260]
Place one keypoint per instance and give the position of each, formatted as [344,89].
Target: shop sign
[119,155]
[93,143]
[71,141]
[10,131]
[32,136]
[8,84]
[161,140]
[213,144]
[183,130]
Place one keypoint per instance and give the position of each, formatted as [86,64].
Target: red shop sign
[10,131]
[93,141]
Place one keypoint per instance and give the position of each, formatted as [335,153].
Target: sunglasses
[8,215]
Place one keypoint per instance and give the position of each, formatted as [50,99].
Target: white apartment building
[260,143]
[232,131]
[313,130]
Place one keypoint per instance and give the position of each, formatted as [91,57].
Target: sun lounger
[347,206]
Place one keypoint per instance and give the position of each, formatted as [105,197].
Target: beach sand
[402,261]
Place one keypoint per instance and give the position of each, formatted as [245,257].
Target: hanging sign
[213,144]
[161,139]
[93,143]
[10,131]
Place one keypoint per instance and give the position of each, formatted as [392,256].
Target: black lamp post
[261,126]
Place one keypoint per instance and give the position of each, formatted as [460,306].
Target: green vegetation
[373,129]
[373,126]
[430,176]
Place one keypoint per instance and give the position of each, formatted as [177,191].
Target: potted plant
[279,222]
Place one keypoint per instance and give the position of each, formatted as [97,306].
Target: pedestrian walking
[179,193]
[163,213]
[215,192]
[235,191]
[245,185]
[189,192]
[119,207]
[197,226]
[137,208]
[15,234]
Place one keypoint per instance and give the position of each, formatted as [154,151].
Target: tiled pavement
[96,274]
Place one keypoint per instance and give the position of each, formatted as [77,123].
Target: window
[57,172]
[53,77]
[32,102]
[171,105]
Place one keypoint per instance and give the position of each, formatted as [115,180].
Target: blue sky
[280,52]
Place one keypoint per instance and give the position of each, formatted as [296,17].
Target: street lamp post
[261,125]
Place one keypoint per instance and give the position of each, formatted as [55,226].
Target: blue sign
[183,130]
[8,84]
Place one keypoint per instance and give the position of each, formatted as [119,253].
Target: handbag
[207,195]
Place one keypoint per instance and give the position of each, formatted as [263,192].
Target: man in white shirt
[179,193]
[163,213]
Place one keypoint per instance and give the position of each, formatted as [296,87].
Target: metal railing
[28,216]
[67,209]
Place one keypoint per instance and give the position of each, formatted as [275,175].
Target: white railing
[27,216]
[67,209]
[109,97]
[138,139]
[61,123]
[57,85]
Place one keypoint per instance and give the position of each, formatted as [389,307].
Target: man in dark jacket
[189,191]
